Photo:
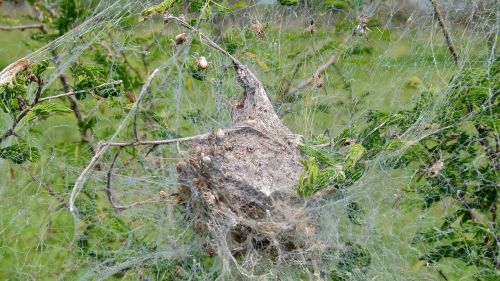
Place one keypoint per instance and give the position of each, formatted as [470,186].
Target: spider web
[402,56]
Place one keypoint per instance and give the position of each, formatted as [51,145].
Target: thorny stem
[446,34]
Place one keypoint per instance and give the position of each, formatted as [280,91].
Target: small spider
[311,28]
[258,28]
[362,27]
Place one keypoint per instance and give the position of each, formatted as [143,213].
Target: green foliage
[20,153]
[92,76]
[338,4]
[354,154]
[353,263]
[327,169]
[13,96]
[113,69]
[459,162]
[44,110]
[69,13]
[160,8]
[288,2]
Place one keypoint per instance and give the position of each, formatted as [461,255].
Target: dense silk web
[147,236]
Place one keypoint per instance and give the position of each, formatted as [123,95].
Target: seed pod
[180,39]
[318,81]
[206,160]
[202,63]
[163,195]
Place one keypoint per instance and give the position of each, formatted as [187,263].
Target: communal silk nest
[238,185]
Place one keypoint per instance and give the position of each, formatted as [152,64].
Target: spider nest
[238,184]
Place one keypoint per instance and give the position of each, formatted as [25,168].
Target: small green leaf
[288,2]
[45,110]
[157,9]
[354,153]
[20,153]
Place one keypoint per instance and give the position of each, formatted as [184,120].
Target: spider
[362,27]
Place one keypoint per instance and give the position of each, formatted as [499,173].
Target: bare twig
[103,147]
[446,34]
[72,93]
[144,90]
[23,27]
[304,83]
[119,208]
[207,40]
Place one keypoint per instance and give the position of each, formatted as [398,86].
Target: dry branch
[317,74]
[446,34]
[72,93]
[101,150]
[22,27]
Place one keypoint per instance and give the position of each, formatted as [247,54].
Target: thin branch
[37,100]
[144,90]
[119,208]
[82,178]
[207,40]
[304,83]
[446,34]
[103,147]
[72,93]
[108,183]
[22,27]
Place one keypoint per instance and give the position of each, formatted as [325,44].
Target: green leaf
[288,2]
[157,9]
[354,154]
[39,68]
[337,4]
[44,110]
[69,13]
[20,153]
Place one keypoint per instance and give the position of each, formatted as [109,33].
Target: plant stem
[446,34]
